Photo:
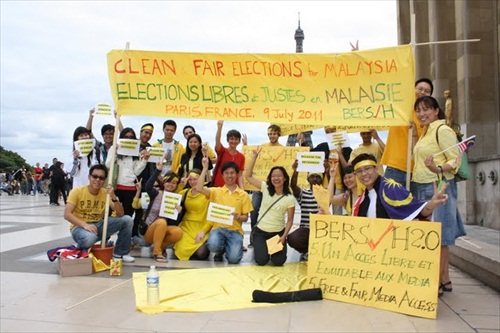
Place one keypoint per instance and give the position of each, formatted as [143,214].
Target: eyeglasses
[367,168]
[422,89]
[128,137]
[98,177]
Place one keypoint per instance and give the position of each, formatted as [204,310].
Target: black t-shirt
[46,173]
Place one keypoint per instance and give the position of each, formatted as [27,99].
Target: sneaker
[125,258]
[245,248]
[218,257]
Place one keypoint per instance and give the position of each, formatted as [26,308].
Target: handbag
[463,171]
[252,233]
[76,167]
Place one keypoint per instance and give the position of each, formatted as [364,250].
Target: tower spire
[299,38]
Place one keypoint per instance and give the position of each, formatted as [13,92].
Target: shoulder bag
[252,233]
[463,172]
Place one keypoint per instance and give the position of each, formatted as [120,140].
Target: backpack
[463,171]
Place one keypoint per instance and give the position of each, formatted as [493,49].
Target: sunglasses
[98,177]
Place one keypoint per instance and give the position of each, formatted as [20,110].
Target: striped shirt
[308,205]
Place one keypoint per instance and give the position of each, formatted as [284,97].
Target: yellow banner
[271,156]
[363,88]
[386,264]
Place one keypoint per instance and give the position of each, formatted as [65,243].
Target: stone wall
[470,70]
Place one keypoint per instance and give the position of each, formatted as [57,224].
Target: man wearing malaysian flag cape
[385,198]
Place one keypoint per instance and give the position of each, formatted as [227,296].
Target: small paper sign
[274,245]
[103,109]
[220,213]
[128,147]
[156,154]
[145,200]
[168,203]
[311,161]
[322,198]
[337,139]
[85,146]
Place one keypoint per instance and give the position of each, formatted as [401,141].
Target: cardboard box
[74,267]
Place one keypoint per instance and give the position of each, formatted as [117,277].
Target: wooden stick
[110,178]
[408,157]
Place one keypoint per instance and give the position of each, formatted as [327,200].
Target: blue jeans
[36,186]
[123,225]
[396,174]
[452,225]
[222,240]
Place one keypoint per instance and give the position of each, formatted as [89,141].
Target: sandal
[440,291]
[161,259]
[447,289]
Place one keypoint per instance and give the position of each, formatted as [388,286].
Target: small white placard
[220,213]
[103,109]
[155,154]
[144,200]
[128,147]
[85,146]
[311,161]
[168,203]
[337,139]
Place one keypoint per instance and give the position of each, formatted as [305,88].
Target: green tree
[11,161]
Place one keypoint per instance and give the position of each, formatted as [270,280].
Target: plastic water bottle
[153,285]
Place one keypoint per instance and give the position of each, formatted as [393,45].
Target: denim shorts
[452,226]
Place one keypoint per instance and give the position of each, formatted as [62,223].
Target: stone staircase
[478,254]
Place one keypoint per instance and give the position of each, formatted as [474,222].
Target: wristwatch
[115,200]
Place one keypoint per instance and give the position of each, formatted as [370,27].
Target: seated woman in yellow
[161,231]
[194,225]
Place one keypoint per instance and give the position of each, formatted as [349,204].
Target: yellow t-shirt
[239,199]
[396,147]
[88,207]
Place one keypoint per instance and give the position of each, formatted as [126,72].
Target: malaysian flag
[464,145]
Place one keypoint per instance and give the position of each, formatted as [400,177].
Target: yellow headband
[147,127]
[363,163]
[194,175]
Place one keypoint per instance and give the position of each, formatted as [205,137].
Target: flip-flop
[443,286]
[161,259]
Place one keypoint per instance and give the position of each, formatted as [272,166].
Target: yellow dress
[194,221]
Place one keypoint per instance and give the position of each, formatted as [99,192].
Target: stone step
[478,254]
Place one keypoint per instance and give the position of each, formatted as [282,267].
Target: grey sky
[53,55]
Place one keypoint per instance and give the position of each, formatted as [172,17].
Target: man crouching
[85,209]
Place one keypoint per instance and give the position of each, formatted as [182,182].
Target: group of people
[202,175]
[53,181]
